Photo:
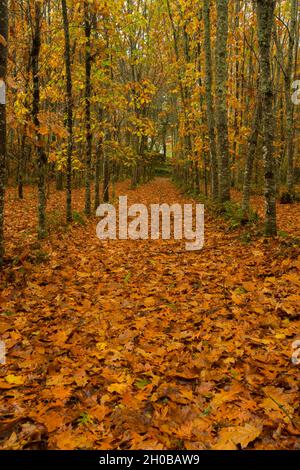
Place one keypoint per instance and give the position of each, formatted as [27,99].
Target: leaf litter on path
[141,344]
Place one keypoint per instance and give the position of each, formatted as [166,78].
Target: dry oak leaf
[230,437]
[52,420]
[226,395]
[277,403]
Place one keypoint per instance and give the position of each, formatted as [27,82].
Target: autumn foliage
[131,345]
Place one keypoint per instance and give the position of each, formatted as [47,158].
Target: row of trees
[85,91]
[236,68]
[97,89]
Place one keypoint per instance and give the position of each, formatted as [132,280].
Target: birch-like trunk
[265,20]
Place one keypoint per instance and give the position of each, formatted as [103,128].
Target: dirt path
[143,345]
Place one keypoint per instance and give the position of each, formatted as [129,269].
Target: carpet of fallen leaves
[288,215]
[143,345]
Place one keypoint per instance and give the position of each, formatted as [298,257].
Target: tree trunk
[288,98]
[252,146]
[69,109]
[221,100]
[3,70]
[265,19]
[210,112]
[106,179]
[24,147]
[41,155]
[99,159]
[88,92]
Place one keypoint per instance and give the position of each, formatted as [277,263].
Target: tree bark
[221,100]
[3,71]
[41,155]
[69,109]
[265,19]
[252,146]
[210,112]
[288,98]
[88,93]
[99,159]
[106,179]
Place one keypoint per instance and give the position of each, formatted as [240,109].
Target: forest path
[144,345]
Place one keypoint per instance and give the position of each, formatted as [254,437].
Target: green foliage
[235,215]
[127,278]
[55,220]
[283,234]
[142,383]
[7,313]
[40,257]
[163,171]
[84,419]
[246,238]
[78,218]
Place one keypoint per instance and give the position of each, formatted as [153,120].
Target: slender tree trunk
[265,19]
[221,100]
[288,97]
[252,146]
[41,155]
[20,167]
[59,180]
[106,179]
[210,112]
[3,70]
[237,124]
[24,147]
[99,159]
[88,93]
[69,109]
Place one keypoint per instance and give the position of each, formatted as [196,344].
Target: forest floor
[143,345]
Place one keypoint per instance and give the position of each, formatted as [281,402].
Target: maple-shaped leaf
[231,437]
[53,420]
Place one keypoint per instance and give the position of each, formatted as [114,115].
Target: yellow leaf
[118,388]
[15,379]
[101,346]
